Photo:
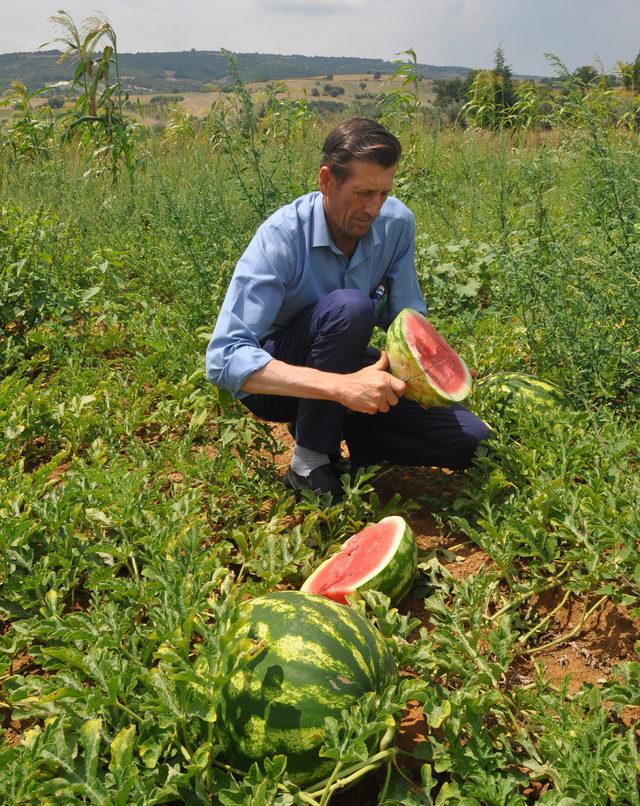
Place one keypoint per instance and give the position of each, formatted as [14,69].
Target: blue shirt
[292,262]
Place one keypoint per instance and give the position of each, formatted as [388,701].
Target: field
[139,504]
[350,90]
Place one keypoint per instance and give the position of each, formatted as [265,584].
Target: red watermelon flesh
[381,556]
[443,365]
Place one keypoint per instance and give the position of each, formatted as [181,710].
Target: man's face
[352,205]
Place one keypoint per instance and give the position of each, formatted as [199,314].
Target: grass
[138,503]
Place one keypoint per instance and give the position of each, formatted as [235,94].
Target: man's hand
[371,389]
[368,390]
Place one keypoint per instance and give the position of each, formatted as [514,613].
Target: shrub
[334,90]
[327,106]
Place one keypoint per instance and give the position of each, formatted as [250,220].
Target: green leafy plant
[139,505]
[258,142]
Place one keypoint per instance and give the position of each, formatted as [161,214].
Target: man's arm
[252,301]
[368,390]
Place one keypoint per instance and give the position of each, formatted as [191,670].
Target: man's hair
[359,139]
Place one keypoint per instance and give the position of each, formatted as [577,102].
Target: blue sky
[460,32]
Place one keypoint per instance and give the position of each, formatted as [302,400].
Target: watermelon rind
[509,390]
[405,364]
[394,574]
[314,658]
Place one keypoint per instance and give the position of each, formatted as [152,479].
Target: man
[291,340]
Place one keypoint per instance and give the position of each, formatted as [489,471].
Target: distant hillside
[189,70]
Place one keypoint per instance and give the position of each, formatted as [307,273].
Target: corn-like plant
[400,94]
[483,109]
[402,112]
[30,130]
[181,126]
[525,112]
[99,108]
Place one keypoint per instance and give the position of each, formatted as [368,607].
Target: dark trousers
[333,336]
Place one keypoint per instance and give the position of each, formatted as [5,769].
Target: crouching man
[292,337]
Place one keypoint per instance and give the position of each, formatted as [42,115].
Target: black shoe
[339,464]
[322,481]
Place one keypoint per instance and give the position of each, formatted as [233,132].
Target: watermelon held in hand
[509,390]
[381,557]
[313,659]
[435,374]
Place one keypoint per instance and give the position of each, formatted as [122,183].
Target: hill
[188,71]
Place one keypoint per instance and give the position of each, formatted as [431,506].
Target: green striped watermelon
[505,390]
[381,557]
[434,372]
[317,658]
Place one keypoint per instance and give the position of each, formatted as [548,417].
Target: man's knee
[477,431]
[348,312]
[473,431]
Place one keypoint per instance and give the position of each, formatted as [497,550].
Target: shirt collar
[320,235]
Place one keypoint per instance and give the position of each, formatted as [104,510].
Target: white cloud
[318,7]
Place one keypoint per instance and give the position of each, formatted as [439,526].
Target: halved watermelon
[418,354]
[381,557]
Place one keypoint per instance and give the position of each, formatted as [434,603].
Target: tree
[585,74]
[56,101]
[635,76]
[625,69]
[453,90]
[333,90]
[505,95]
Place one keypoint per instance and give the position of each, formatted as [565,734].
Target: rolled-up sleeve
[250,307]
[403,290]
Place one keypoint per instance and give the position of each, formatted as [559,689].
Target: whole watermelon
[317,658]
[508,390]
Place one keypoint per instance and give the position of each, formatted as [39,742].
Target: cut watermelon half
[435,374]
[381,557]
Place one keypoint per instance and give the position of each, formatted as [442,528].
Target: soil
[14,728]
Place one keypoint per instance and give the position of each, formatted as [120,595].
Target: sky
[442,32]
